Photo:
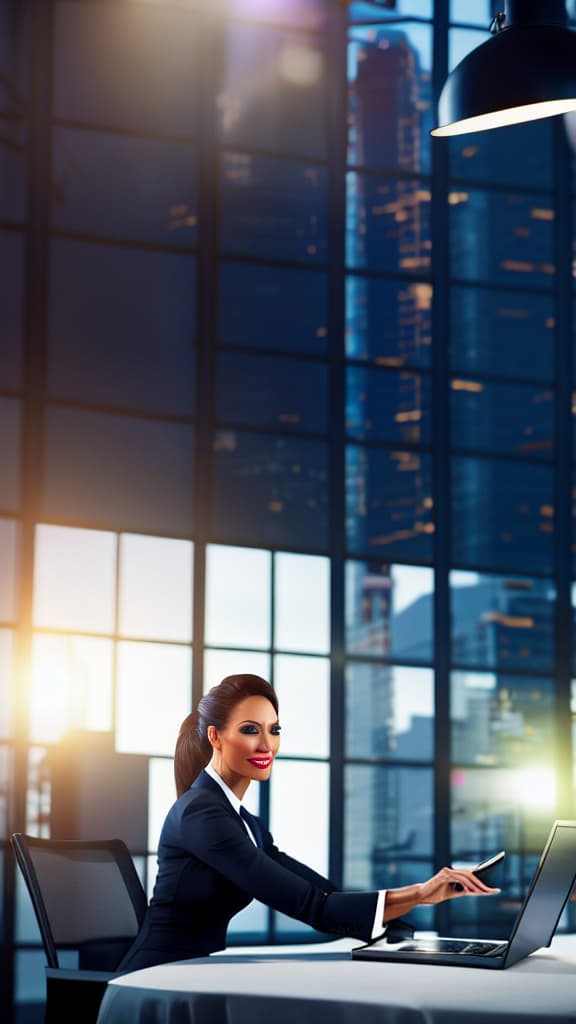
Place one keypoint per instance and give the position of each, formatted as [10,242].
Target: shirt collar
[236,803]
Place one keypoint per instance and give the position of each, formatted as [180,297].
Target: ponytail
[193,748]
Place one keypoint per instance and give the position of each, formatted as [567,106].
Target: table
[323,985]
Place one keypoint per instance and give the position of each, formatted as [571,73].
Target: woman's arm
[446,884]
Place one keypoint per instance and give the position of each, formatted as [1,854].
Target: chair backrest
[86,895]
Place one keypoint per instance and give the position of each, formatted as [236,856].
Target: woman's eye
[276,730]
[249,729]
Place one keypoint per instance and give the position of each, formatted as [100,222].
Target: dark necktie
[253,824]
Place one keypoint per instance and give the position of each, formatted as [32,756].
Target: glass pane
[74,579]
[71,686]
[281,106]
[281,323]
[389,712]
[461,42]
[387,406]
[502,622]
[13,171]
[299,811]
[270,490]
[155,599]
[302,603]
[389,503]
[124,187]
[122,327]
[391,113]
[520,252]
[119,471]
[388,224]
[521,155]
[500,719]
[389,611]
[9,536]
[161,796]
[303,688]
[126,66]
[500,417]
[475,12]
[503,515]
[502,809]
[238,584]
[268,391]
[219,664]
[8,682]
[388,814]
[388,322]
[14,55]
[30,976]
[273,208]
[11,308]
[10,430]
[157,680]
[502,333]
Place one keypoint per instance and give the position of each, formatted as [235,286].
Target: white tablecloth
[289,985]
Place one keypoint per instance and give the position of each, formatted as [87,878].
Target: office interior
[286,387]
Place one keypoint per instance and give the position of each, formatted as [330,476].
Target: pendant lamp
[525,71]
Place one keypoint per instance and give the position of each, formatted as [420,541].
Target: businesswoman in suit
[213,859]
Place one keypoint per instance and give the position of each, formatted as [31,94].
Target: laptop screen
[549,890]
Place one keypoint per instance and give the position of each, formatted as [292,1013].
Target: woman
[212,862]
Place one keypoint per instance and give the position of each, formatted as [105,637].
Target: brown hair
[193,749]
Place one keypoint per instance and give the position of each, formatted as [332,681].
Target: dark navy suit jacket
[209,869]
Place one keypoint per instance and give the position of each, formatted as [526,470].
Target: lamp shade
[522,73]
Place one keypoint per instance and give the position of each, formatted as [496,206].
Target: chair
[86,896]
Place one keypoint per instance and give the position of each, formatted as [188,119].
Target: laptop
[534,927]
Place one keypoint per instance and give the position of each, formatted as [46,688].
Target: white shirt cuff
[378,927]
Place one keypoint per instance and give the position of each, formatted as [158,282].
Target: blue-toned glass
[502,237]
[502,622]
[505,333]
[497,416]
[14,56]
[291,308]
[9,557]
[473,12]
[12,245]
[273,208]
[13,171]
[388,322]
[388,815]
[388,405]
[127,66]
[375,10]
[502,809]
[390,97]
[272,391]
[273,92]
[270,491]
[300,13]
[122,327]
[520,155]
[388,224]
[389,712]
[10,432]
[389,503]
[461,41]
[499,719]
[389,611]
[118,472]
[494,917]
[128,187]
[502,515]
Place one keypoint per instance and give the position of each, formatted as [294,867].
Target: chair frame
[64,986]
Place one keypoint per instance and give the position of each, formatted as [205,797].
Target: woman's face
[245,749]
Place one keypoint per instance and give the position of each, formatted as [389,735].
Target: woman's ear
[213,737]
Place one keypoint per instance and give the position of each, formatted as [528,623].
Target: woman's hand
[449,883]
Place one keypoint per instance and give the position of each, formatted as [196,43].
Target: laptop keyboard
[464,946]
